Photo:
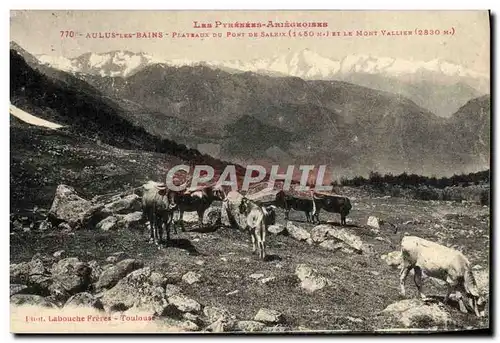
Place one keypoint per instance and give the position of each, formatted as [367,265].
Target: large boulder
[112,275]
[128,204]
[184,304]
[131,221]
[68,207]
[18,289]
[310,279]
[352,241]
[414,313]
[33,274]
[276,229]
[136,290]
[319,233]
[74,276]
[297,232]
[230,214]
[31,299]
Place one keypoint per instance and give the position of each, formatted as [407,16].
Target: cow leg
[263,242]
[418,282]
[448,293]
[200,218]
[254,249]
[287,212]
[181,215]
[167,227]
[405,269]
[342,219]
[308,217]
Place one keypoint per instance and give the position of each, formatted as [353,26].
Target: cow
[158,205]
[289,201]
[257,220]
[442,263]
[197,200]
[332,204]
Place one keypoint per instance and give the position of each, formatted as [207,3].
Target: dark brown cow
[332,204]
[288,201]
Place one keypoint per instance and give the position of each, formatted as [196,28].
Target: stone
[68,207]
[184,304]
[112,275]
[84,299]
[319,233]
[373,222]
[59,254]
[128,204]
[107,224]
[31,299]
[297,232]
[277,229]
[191,277]
[269,316]
[17,288]
[414,313]
[393,259]
[171,290]
[310,279]
[74,276]
[131,221]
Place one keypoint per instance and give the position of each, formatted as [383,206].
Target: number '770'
[66,34]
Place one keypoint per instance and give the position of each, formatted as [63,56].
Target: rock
[230,214]
[192,318]
[157,279]
[191,277]
[109,223]
[128,204]
[68,207]
[31,299]
[319,233]
[310,279]
[233,292]
[84,299]
[64,227]
[277,229]
[214,314]
[333,246]
[59,254]
[373,222]
[184,304]
[269,316]
[477,267]
[17,288]
[136,291]
[267,279]
[96,271]
[131,221]
[482,278]
[74,276]
[218,327]
[33,274]
[116,257]
[112,275]
[393,259]
[171,290]
[297,232]
[188,325]
[414,313]
[250,326]
[212,216]
[353,241]
[256,276]
[94,215]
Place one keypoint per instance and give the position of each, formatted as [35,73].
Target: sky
[39,32]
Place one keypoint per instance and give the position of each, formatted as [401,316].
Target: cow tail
[470,282]
[314,203]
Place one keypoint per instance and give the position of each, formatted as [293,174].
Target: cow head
[270,214]
[218,193]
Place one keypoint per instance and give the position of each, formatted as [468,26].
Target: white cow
[439,262]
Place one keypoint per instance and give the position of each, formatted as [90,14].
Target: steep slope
[85,112]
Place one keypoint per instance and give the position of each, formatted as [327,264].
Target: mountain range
[248,117]
[437,85]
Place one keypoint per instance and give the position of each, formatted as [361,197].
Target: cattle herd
[423,256]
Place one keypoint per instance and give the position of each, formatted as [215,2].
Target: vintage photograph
[269,172]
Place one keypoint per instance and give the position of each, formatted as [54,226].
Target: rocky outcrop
[68,207]
[112,275]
